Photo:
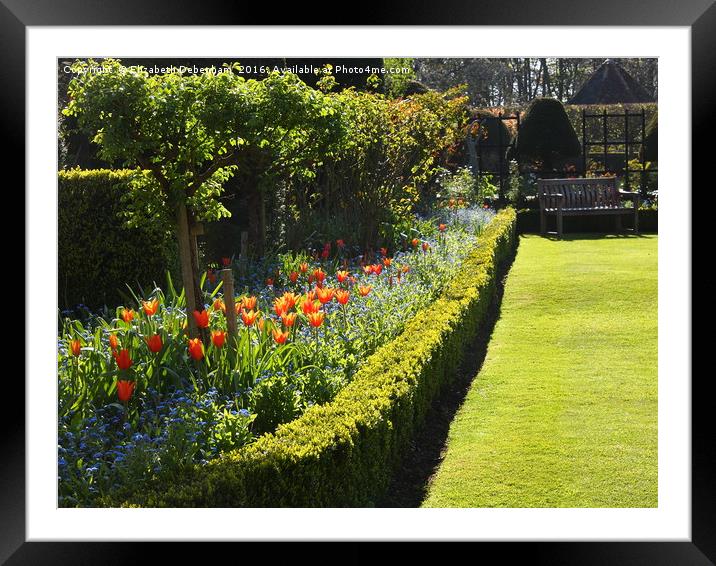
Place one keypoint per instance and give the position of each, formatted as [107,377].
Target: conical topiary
[488,132]
[651,139]
[493,128]
[546,135]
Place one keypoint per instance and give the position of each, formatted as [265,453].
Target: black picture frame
[17,15]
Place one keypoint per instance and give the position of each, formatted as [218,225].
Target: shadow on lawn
[578,236]
[410,482]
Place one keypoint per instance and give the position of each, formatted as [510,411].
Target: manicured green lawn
[564,410]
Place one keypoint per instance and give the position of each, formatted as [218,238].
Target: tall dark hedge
[651,139]
[97,253]
[546,134]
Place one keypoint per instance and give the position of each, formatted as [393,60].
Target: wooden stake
[227,277]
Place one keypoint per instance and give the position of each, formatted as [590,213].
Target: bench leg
[559,225]
[542,222]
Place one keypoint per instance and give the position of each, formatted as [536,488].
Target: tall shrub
[387,158]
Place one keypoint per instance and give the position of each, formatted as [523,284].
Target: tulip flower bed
[138,400]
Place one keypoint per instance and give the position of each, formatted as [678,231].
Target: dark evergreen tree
[546,135]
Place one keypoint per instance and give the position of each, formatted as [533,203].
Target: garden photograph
[357,282]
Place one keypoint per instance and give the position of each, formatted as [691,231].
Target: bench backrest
[597,192]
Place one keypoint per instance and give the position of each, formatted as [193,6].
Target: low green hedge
[528,222]
[97,252]
[343,453]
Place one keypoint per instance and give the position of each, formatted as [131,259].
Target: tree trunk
[189,267]
[254,217]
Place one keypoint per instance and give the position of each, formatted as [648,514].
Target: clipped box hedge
[343,454]
[97,252]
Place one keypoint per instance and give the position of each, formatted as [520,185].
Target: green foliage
[342,453]
[396,83]
[99,249]
[194,131]
[462,189]
[546,134]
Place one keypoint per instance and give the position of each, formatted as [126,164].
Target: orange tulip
[249,317]
[442,227]
[280,306]
[123,360]
[319,275]
[415,242]
[311,295]
[364,290]
[248,303]
[316,318]
[75,347]
[113,342]
[325,295]
[387,261]
[288,319]
[128,315]
[342,276]
[377,269]
[154,343]
[303,267]
[280,337]
[196,349]
[342,296]
[367,269]
[219,305]
[201,318]
[269,281]
[384,251]
[426,246]
[150,307]
[125,389]
[218,337]
[293,276]
[309,307]
[291,299]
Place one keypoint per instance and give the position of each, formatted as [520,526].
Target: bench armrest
[633,195]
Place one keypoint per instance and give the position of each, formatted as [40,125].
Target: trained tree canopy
[193,131]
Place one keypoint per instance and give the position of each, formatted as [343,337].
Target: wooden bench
[584,197]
